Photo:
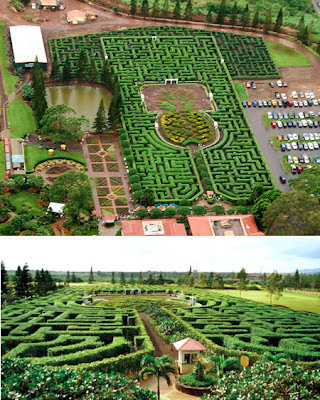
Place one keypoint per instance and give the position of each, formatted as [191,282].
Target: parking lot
[263,136]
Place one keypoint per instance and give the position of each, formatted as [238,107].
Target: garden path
[162,348]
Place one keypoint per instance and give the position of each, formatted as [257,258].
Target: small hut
[188,352]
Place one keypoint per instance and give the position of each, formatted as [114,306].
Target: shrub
[191,380]
[218,210]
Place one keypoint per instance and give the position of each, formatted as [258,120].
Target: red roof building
[224,225]
[154,227]
[188,345]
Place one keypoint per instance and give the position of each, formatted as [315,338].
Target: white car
[270,114]
[315,102]
[290,159]
[283,96]
[294,94]
[306,158]
[316,136]
[304,123]
[288,146]
[306,136]
[315,145]
[294,146]
[305,103]
[301,115]
[279,83]
[279,124]
[311,95]
[295,136]
[310,145]
[311,136]
[307,95]
[290,136]
[295,103]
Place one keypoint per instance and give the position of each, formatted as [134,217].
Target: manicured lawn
[29,200]
[34,155]
[240,89]
[285,56]
[20,117]
[296,301]
[9,80]
[2,162]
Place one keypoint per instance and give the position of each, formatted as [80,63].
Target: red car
[248,85]
[249,103]
[273,124]
[299,169]
[290,103]
[284,84]
[279,137]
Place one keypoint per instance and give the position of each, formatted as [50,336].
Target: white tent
[27,44]
[56,208]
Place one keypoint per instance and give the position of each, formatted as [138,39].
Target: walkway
[162,348]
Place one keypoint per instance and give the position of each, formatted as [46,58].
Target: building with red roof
[224,225]
[154,227]
[188,352]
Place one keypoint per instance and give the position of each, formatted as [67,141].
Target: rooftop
[188,344]
[27,44]
[163,227]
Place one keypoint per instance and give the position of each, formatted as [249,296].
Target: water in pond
[84,99]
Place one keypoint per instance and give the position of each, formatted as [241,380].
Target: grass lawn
[34,155]
[29,200]
[240,89]
[285,56]
[2,162]
[20,117]
[296,301]
[9,80]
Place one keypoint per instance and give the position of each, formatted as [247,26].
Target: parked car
[305,103]
[307,95]
[269,114]
[284,83]
[280,103]
[315,124]
[301,159]
[278,96]
[253,85]
[295,103]
[274,103]
[290,160]
[279,124]
[294,94]
[293,168]
[295,136]
[289,103]
[317,159]
[290,136]
[290,125]
[310,103]
[288,146]
[301,95]
[295,159]
[300,146]
[300,103]
[311,136]
[254,103]
[306,136]
[315,102]
[269,103]
[315,145]
[294,146]
[284,137]
[282,147]
[279,137]
[249,103]
[271,84]
[310,145]
[274,115]
[273,124]
[311,95]
[305,146]
[265,104]
[244,104]
[282,179]
[260,104]
[299,124]
[279,83]
[304,123]
[248,86]
[283,96]
[299,169]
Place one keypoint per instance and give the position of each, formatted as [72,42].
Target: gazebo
[188,351]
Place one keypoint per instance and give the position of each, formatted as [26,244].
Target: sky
[255,254]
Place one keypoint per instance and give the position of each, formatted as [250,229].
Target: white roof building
[27,44]
[56,208]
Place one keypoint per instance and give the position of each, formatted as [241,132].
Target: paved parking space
[263,136]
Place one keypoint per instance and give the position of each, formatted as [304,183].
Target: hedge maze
[151,55]
[74,335]
[258,328]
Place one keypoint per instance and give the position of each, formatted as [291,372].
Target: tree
[242,280]
[133,9]
[188,10]
[209,18]
[113,280]
[4,279]
[132,281]
[293,213]
[279,22]
[177,10]
[210,280]
[150,280]
[92,72]
[61,124]
[39,102]
[202,282]
[156,213]
[221,13]
[300,28]
[100,123]
[170,212]
[296,280]
[160,280]
[67,280]
[147,198]
[155,9]
[165,9]
[79,198]
[91,279]
[106,75]
[142,213]
[184,211]
[115,105]
[217,282]
[318,47]
[35,181]
[267,22]
[66,70]
[122,279]
[305,38]
[18,282]
[234,14]
[191,280]
[55,70]
[27,91]
[245,17]
[255,21]
[308,181]
[274,285]
[145,8]
[199,210]
[140,278]
[262,203]
[22,281]
[218,210]
[160,368]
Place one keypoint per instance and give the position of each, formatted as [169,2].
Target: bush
[218,210]
[191,380]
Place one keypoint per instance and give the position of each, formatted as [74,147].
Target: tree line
[24,284]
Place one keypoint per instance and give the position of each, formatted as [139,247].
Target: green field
[285,56]
[296,301]
[26,200]
[9,80]
[2,162]
[241,90]
[20,118]
[34,155]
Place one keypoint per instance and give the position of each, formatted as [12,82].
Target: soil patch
[176,98]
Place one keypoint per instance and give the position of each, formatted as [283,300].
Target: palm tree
[222,364]
[160,367]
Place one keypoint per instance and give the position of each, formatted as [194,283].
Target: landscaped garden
[20,118]
[234,164]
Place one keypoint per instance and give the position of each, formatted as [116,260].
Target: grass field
[9,80]
[240,89]
[2,162]
[20,117]
[285,56]
[296,301]
[26,200]
[34,155]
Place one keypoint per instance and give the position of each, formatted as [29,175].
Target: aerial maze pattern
[234,163]
[65,333]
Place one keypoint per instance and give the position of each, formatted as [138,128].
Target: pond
[84,99]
